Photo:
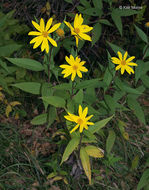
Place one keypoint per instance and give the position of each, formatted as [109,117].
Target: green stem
[49,64]
[80,143]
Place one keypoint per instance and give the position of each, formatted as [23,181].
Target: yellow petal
[42,24]
[73,76]
[79,74]
[80,20]
[122,70]
[55,27]
[132,64]
[89,117]
[68,117]
[85,36]
[43,45]
[90,123]
[125,55]
[77,41]
[36,26]
[85,28]
[64,66]
[129,69]
[76,21]
[85,112]
[84,69]
[81,129]
[130,59]
[80,110]
[75,128]
[53,42]
[38,42]
[48,25]
[115,60]
[119,55]
[68,60]
[118,67]
[47,46]
[67,73]
[33,33]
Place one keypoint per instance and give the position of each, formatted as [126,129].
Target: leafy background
[30,149]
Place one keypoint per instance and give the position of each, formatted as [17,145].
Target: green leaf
[94,151]
[54,101]
[52,114]
[89,83]
[78,98]
[106,22]
[99,125]
[111,103]
[46,90]
[40,119]
[110,141]
[69,1]
[98,4]
[135,162]
[144,180]
[117,20]
[7,50]
[125,12]
[97,30]
[85,163]
[141,34]
[85,3]
[116,48]
[72,145]
[91,11]
[145,80]
[27,63]
[31,87]
[136,108]
[64,86]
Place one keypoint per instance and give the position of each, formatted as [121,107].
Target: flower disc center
[123,62]
[77,30]
[75,67]
[79,121]
[45,34]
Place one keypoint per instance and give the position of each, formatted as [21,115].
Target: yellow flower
[124,64]
[60,32]
[43,34]
[75,67]
[147,24]
[79,30]
[81,120]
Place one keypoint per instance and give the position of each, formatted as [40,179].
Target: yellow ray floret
[147,24]
[123,63]
[79,29]
[43,34]
[75,67]
[81,120]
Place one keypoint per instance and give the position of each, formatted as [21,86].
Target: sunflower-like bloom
[147,24]
[79,29]
[75,67]
[124,64]
[43,34]
[81,119]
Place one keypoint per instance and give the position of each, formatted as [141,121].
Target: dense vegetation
[74,104]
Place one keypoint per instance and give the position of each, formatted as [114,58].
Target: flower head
[147,24]
[124,64]
[43,34]
[79,29]
[60,32]
[75,67]
[81,119]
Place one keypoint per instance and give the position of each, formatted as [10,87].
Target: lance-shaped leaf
[94,151]
[110,141]
[72,145]
[85,163]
